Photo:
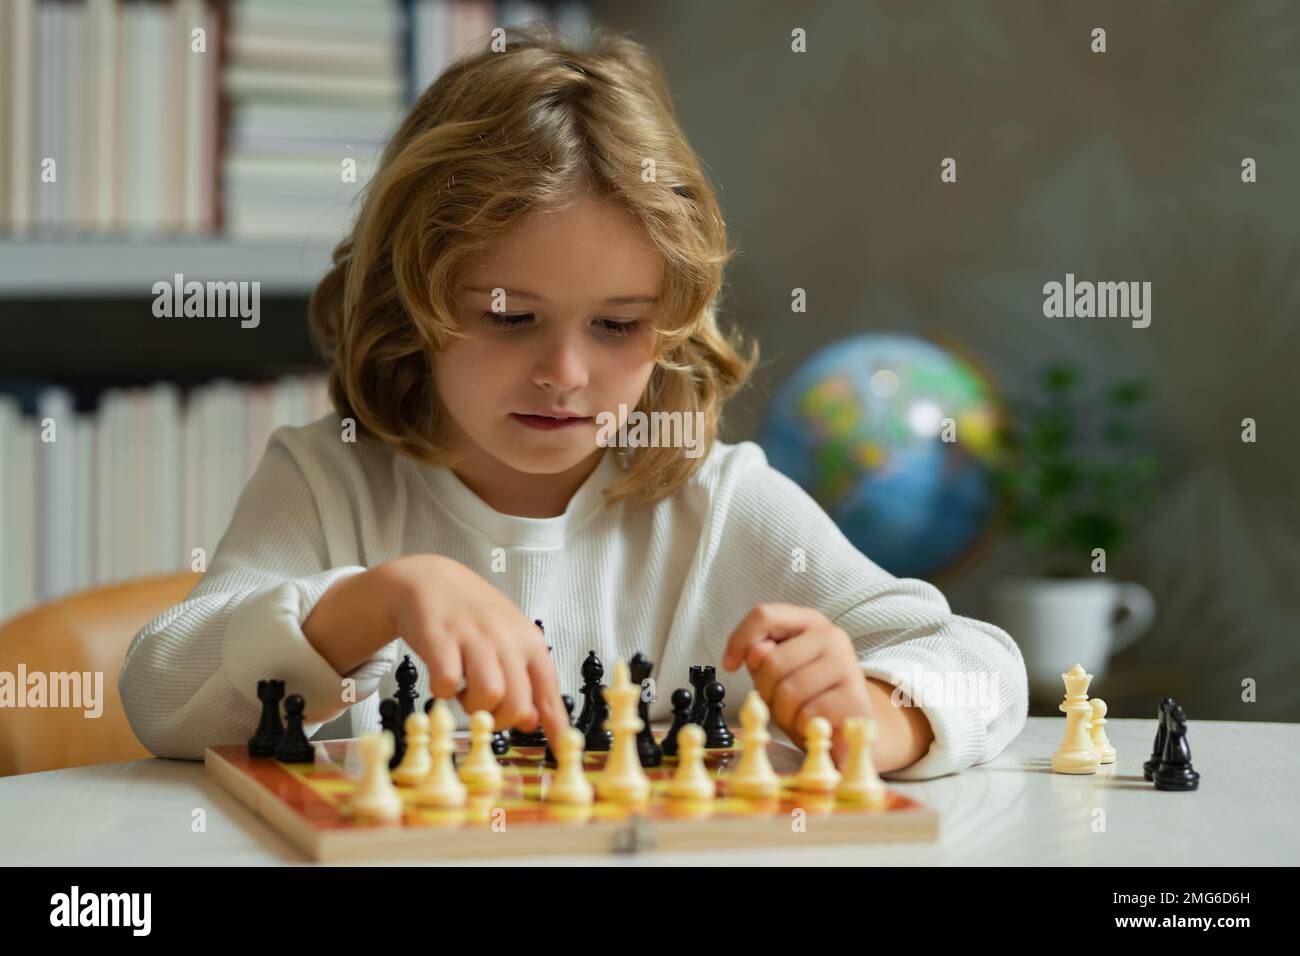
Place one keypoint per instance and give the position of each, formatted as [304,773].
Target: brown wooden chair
[86,631]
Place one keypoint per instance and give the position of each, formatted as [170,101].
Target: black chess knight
[1175,771]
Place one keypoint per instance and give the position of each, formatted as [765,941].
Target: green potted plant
[1073,479]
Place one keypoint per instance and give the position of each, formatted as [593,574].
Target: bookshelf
[221,165]
[91,268]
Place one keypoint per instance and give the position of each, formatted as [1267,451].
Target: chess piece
[390,719]
[294,747]
[818,773]
[1157,748]
[647,749]
[1076,754]
[623,779]
[717,736]
[598,735]
[528,738]
[374,796]
[570,783]
[441,787]
[701,677]
[592,672]
[691,781]
[1097,731]
[681,717]
[860,782]
[407,677]
[500,743]
[417,761]
[479,771]
[754,776]
[269,730]
[1175,771]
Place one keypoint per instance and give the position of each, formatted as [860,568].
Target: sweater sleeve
[190,675]
[769,541]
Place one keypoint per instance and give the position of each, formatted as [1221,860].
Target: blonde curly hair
[498,137]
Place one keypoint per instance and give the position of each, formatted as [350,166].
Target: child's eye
[619,328]
[503,321]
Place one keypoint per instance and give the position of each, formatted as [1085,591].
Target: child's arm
[190,676]
[767,542]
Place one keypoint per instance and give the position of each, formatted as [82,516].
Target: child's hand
[464,628]
[803,666]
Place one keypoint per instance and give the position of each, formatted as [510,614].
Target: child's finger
[782,659]
[546,696]
[442,657]
[800,687]
[758,653]
[485,684]
[775,622]
[516,706]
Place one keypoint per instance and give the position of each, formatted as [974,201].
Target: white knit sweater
[671,579]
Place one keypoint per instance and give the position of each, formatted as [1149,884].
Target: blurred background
[902,181]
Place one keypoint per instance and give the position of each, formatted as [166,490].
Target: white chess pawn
[374,796]
[415,762]
[479,771]
[1076,754]
[754,776]
[1097,731]
[860,783]
[691,781]
[441,787]
[570,783]
[623,779]
[818,773]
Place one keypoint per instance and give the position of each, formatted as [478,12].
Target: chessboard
[308,804]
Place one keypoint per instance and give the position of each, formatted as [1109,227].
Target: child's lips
[543,423]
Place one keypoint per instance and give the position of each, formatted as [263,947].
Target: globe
[895,438]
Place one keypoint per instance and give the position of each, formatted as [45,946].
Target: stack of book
[314,90]
[145,484]
[109,117]
[256,119]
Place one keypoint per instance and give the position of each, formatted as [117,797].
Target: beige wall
[1116,166]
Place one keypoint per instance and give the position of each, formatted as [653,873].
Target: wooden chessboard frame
[315,822]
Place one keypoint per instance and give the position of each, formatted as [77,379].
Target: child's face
[565,346]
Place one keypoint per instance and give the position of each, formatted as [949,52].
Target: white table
[1013,810]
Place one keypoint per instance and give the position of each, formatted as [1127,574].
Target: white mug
[1057,622]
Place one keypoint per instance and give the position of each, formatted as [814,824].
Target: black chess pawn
[549,756]
[599,739]
[528,738]
[681,717]
[428,706]
[716,733]
[269,729]
[1157,748]
[294,747]
[500,743]
[701,677]
[407,678]
[647,748]
[390,719]
[1175,771]
[592,671]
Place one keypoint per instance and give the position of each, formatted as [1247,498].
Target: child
[539,243]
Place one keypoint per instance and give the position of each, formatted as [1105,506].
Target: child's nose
[562,365]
